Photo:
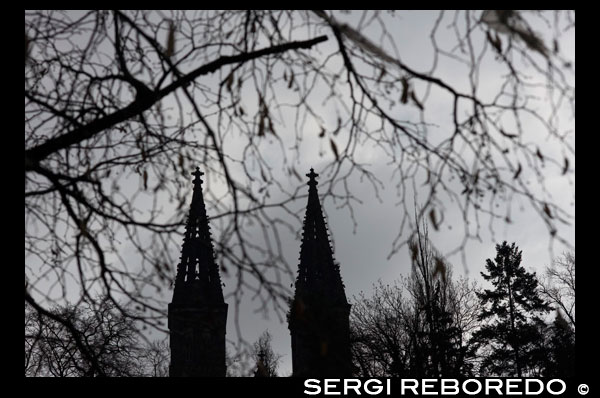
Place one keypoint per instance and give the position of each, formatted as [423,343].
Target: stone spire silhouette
[319,313]
[318,274]
[198,312]
[198,280]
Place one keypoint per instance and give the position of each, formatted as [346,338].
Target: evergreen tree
[511,312]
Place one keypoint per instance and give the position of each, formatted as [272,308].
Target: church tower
[319,314]
[198,312]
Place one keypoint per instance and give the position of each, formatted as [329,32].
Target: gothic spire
[198,281]
[318,274]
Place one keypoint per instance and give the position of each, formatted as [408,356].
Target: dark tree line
[430,325]
[427,325]
[109,346]
[419,326]
[114,347]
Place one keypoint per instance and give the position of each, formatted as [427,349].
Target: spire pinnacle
[197,174]
[198,279]
[312,176]
[317,272]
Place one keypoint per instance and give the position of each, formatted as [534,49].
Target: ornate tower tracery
[198,312]
[319,313]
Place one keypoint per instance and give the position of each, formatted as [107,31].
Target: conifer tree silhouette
[511,313]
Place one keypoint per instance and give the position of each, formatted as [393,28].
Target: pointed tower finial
[197,174]
[312,176]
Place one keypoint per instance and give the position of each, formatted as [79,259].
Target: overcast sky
[364,252]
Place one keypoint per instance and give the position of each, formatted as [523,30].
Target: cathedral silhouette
[318,318]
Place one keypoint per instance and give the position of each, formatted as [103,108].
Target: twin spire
[198,281]
[318,274]
[319,312]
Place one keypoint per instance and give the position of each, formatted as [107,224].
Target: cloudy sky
[364,253]
[364,250]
